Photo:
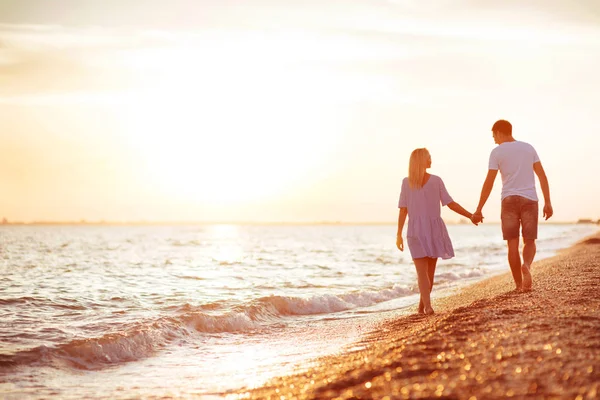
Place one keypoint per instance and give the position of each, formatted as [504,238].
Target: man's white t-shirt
[515,161]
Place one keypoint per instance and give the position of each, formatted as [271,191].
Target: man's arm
[488,185]
[541,174]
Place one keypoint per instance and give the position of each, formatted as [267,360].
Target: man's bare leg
[514,260]
[529,249]
[431,263]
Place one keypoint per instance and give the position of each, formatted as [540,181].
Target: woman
[427,235]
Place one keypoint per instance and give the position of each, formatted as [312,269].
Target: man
[517,162]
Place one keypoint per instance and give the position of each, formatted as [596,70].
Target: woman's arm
[457,208]
[454,206]
[401,220]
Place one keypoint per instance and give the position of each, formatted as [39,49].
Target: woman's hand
[476,218]
[400,243]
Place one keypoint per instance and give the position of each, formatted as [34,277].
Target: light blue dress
[427,235]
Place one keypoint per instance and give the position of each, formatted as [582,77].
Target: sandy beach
[486,341]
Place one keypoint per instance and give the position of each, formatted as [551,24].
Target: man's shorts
[518,211]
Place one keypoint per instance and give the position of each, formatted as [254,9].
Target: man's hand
[400,243]
[477,218]
[548,211]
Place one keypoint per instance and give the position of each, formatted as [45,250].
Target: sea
[197,311]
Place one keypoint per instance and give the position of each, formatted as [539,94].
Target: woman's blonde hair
[416,167]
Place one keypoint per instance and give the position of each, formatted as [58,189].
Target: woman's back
[424,202]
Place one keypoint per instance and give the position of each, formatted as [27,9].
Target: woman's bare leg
[431,269]
[422,266]
[431,263]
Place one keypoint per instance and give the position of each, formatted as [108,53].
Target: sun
[207,137]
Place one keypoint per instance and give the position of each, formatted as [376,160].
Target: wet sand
[486,341]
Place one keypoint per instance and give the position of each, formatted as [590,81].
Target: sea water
[197,310]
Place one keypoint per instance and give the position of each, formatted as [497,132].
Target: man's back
[515,161]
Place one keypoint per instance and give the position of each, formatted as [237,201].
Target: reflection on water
[123,312]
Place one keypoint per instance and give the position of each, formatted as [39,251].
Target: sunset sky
[287,110]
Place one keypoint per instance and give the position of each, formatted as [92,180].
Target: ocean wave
[196,278]
[325,304]
[190,243]
[143,339]
[96,353]
[276,306]
[483,249]
[455,276]
[135,343]
[42,302]
[19,300]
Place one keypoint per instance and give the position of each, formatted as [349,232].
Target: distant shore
[486,341]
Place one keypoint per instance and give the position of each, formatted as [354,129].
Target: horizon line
[6,222]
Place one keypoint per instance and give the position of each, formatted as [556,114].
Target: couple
[422,194]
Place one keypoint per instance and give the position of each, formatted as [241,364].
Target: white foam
[325,304]
[455,276]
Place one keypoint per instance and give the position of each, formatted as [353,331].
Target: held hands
[477,218]
[400,243]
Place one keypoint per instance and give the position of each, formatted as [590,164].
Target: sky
[287,111]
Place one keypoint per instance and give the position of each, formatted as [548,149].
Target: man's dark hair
[502,126]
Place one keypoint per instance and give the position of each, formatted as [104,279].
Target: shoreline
[485,341]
